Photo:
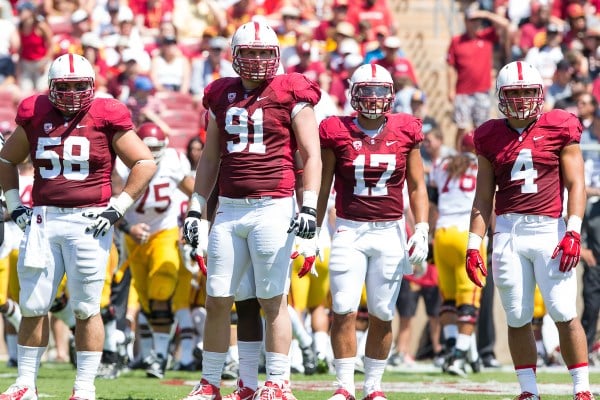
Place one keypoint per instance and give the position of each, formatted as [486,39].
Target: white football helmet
[66,69]
[255,35]
[371,91]
[520,75]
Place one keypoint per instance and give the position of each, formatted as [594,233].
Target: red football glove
[309,249]
[474,263]
[200,260]
[570,245]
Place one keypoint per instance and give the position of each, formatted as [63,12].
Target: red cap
[575,10]
[467,143]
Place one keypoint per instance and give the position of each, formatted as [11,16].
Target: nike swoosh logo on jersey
[390,142]
[538,137]
[80,126]
[261,98]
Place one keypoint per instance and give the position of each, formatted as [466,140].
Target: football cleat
[157,367]
[270,391]
[308,360]
[286,391]
[241,392]
[204,391]
[19,392]
[231,370]
[378,395]
[456,364]
[342,394]
[83,395]
[583,396]
[108,371]
[527,396]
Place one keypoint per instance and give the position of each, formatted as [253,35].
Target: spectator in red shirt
[576,19]
[470,60]
[326,31]
[525,38]
[375,12]
[393,62]
[313,69]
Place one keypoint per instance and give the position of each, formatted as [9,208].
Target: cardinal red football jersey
[256,138]
[370,172]
[72,159]
[527,165]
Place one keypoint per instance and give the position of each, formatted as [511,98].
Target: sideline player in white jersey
[152,240]
[454,180]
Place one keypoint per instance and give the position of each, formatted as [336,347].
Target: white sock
[145,336]
[110,339]
[198,320]
[473,354]
[298,330]
[29,363]
[212,367]
[321,340]
[527,381]
[450,331]
[278,367]
[463,342]
[11,346]
[581,379]
[361,341]
[186,335]
[249,353]
[344,373]
[161,343]
[87,368]
[373,373]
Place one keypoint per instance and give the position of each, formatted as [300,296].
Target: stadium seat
[175,100]
[180,137]
[183,118]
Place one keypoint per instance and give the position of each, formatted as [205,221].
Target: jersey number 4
[523,170]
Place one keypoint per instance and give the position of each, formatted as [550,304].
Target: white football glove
[418,244]
[309,249]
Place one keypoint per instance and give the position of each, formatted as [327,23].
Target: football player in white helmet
[72,138]
[257,122]
[526,163]
[368,157]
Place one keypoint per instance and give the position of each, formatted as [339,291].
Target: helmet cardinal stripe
[256,31]
[71,63]
[373,70]
[520,70]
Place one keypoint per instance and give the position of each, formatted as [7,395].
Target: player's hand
[309,249]
[22,216]
[191,228]
[418,244]
[570,245]
[102,221]
[200,260]
[305,223]
[474,263]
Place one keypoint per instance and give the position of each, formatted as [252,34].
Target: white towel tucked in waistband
[37,251]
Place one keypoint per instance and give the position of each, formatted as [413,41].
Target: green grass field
[55,382]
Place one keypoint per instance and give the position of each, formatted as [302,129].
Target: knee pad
[467,313]
[448,306]
[160,317]
[342,303]
[108,313]
[516,318]
[383,310]
[85,311]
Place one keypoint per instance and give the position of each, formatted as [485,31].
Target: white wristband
[197,203]
[422,225]
[122,202]
[13,200]
[474,242]
[309,199]
[574,224]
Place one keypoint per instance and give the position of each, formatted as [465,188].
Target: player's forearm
[419,203]
[9,176]
[139,177]
[480,218]
[312,173]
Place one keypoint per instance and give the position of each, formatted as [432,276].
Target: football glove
[22,216]
[474,263]
[418,244]
[309,249]
[570,245]
[103,221]
[305,223]
[191,228]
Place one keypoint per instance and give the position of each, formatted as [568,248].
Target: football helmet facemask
[154,138]
[520,75]
[371,91]
[255,36]
[71,83]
